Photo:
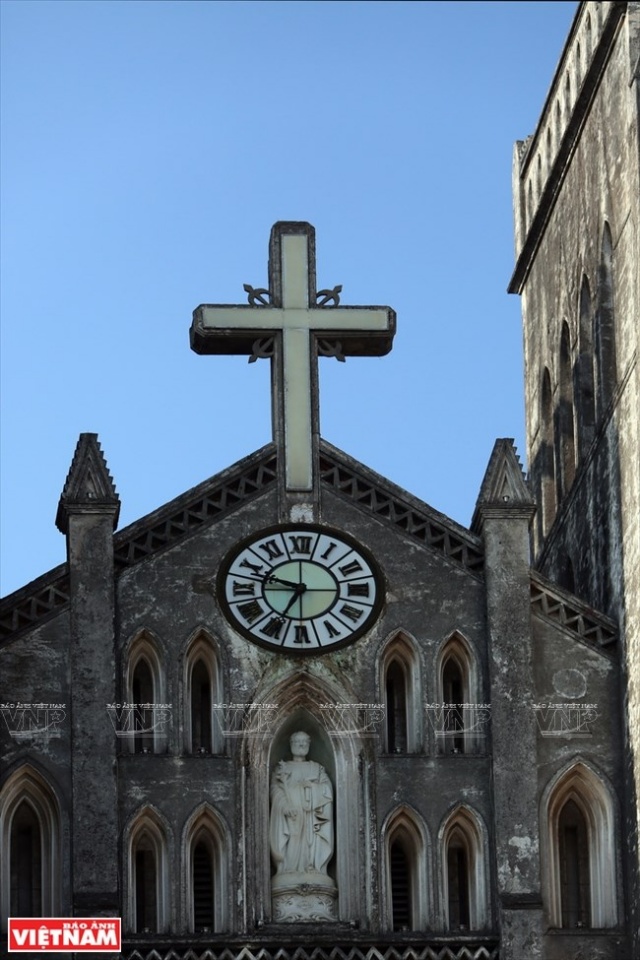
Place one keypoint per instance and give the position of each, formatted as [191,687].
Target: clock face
[300,589]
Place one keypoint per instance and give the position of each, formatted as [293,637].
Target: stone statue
[301,836]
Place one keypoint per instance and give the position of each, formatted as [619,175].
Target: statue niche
[301,836]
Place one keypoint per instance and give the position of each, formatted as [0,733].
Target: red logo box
[64,934]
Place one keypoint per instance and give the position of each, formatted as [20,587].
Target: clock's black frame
[372,617]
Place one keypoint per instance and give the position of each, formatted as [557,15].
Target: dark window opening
[458,876]
[453,698]
[142,693]
[574,867]
[146,890]
[203,917]
[396,709]
[201,741]
[400,887]
[25,863]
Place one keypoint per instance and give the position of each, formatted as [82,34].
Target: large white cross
[293,314]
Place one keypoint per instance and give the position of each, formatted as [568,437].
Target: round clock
[300,589]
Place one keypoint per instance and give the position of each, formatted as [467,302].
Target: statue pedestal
[300,897]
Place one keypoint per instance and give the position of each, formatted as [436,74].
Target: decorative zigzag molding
[48,595]
[399,951]
[422,525]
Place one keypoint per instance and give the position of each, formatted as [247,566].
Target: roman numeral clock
[298,587]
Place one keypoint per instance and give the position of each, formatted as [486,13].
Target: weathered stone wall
[562,209]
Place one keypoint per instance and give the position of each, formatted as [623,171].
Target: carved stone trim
[398,949]
[25,608]
[48,595]
[133,544]
[420,525]
[549,603]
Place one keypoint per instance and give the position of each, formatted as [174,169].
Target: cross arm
[224,328]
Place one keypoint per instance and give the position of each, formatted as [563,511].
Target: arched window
[558,124]
[459,730]
[405,881]
[147,881]
[463,854]
[579,846]
[584,373]
[145,690]
[566,450]
[546,457]
[202,866]
[604,329]
[25,853]
[396,703]
[458,882]
[203,733]
[400,686]
[206,872]
[30,838]
[573,857]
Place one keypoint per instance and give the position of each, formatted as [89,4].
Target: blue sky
[148,147]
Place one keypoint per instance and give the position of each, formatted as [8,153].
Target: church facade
[298,712]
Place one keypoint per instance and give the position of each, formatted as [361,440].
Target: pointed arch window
[459,730]
[206,873]
[565,451]
[604,329]
[30,880]
[406,880]
[203,733]
[146,691]
[463,853]
[458,882]
[400,686]
[584,372]
[148,887]
[579,844]
[546,469]
[396,713]
[202,867]
[573,856]
[25,853]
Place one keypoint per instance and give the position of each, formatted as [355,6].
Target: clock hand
[270,578]
[299,590]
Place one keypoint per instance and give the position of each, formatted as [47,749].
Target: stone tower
[576,189]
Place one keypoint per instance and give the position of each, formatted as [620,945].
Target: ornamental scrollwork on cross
[262,349]
[323,297]
[331,348]
[257,296]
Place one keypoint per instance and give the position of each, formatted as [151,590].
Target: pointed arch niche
[406,894]
[584,388]
[565,433]
[578,830]
[400,691]
[147,881]
[307,702]
[547,471]
[144,682]
[206,872]
[202,686]
[30,869]
[464,871]
[604,328]
[458,729]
